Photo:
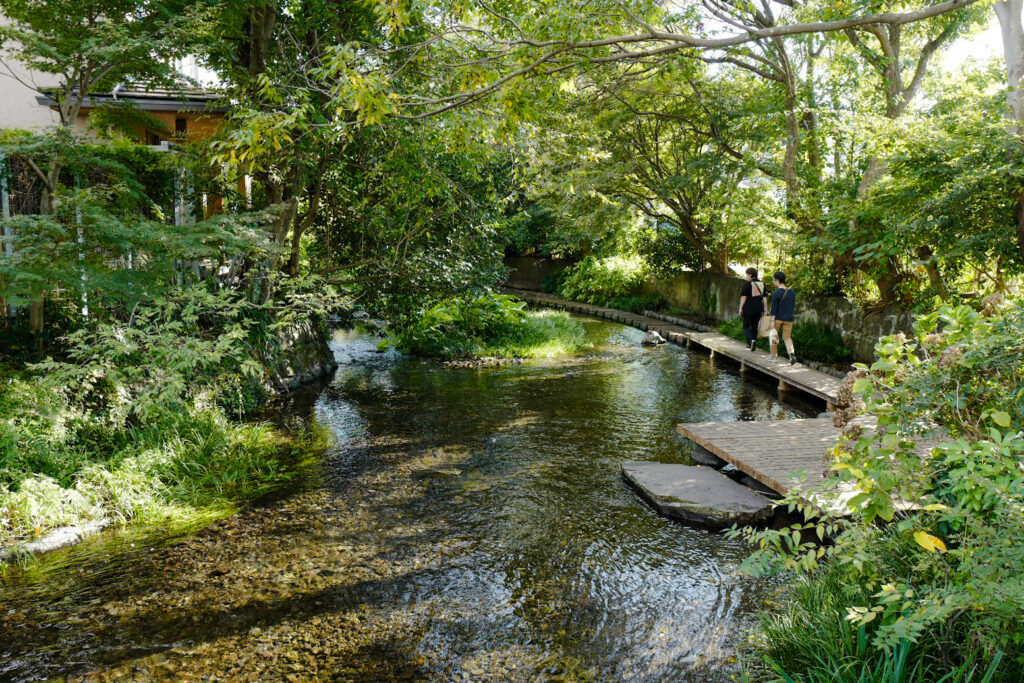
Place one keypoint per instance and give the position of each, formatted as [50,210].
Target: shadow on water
[467,525]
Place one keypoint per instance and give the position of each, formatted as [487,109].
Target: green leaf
[1001,418]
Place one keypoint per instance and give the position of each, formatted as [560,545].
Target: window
[180,127]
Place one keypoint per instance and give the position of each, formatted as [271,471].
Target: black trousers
[750,321]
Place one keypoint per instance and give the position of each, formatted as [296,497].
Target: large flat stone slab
[698,495]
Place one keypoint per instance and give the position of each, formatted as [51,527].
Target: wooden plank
[774,453]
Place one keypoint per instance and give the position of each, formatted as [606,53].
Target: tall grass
[203,462]
[542,334]
[488,324]
[808,640]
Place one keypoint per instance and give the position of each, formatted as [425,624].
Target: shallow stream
[469,524]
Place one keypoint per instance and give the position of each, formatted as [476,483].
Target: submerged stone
[652,338]
[697,495]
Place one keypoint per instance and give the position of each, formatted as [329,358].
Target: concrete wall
[528,272]
[18,105]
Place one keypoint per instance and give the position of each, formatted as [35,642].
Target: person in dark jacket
[783,313]
[752,306]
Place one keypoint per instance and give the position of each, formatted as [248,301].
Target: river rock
[702,456]
[698,495]
[55,540]
[302,356]
[652,338]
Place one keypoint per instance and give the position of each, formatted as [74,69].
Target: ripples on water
[468,525]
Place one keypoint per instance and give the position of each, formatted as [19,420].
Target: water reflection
[468,525]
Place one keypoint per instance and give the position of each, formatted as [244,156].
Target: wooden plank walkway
[778,453]
[790,377]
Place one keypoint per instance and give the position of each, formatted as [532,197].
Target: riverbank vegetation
[936,581]
[492,325]
[133,423]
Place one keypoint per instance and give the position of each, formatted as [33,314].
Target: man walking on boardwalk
[783,313]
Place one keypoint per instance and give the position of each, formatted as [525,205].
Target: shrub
[552,283]
[808,636]
[596,281]
[821,343]
[635,304]
[201,461]
[543,334]
[944,571]
[459,326]
[132,420]
[488,324]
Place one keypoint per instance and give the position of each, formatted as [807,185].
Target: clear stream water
[469,524]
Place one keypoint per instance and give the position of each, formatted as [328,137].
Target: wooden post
[830,406]
[784,386]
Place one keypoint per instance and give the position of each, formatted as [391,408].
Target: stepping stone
[697,495]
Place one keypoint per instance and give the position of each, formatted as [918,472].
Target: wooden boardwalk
[797,377]
[778,453]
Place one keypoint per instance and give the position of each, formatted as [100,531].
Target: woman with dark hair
[752,306]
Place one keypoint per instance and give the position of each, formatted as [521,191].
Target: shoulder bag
[764,325]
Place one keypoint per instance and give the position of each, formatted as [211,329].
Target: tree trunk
[1009,14]
[938,283]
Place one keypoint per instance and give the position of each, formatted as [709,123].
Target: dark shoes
[753,345]
[792,360]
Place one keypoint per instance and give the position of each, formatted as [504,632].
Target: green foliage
[552,283]
[153,365]
[131,422]
[813,341]
[634,304]
[708,300]
[806,638]
[488,324]
[597,281]
[105,238]
[945,570]
[169,468]
[459,326]
[734,328]
[543,334]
